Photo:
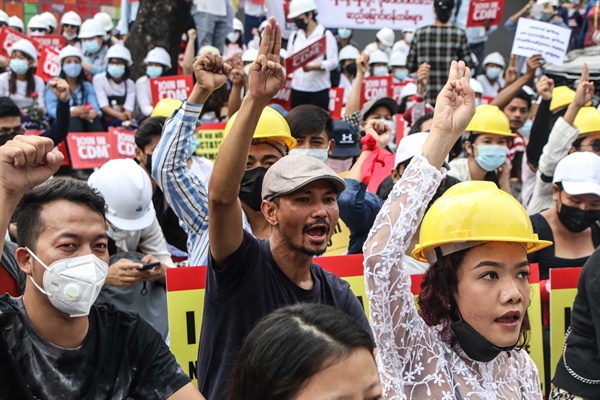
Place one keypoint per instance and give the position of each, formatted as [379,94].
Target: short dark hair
[521,94]
[307,119]
[416,128]
[148,130]
[289,346]
[29,222]
[8,108]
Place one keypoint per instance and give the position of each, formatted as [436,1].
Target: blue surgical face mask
[525,130]
[400,74]
[409,37]
[91,46]
[320,154]
[107,37]
[493,73]
[344,33]
[153,71]
[491,156]
[380,71]
[115,70]
[19,66]
[72,70]
[70,37]
[193,146]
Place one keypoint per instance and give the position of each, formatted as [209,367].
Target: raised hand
[533,63]
[544,87]
[585,88]
[266,75]
[512,72]
[237,76]
[210,72]
[423,77]
[60,88]
[380,131]
[362,64]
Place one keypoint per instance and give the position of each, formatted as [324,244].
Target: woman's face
[352,378]
[71,60]
[18,55]
[493,290]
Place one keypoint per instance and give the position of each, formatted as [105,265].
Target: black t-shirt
[545,257]
[249,287]
[122,356]
[168,221]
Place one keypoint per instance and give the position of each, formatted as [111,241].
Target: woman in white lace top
[465,341]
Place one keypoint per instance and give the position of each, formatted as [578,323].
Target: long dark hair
[291,345]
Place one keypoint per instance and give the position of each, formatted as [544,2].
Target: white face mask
[247,69]
[233,37]
[73,284]
[320,154]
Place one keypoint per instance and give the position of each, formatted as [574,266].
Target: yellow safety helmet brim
[587,120]
[490,119]
[271,125]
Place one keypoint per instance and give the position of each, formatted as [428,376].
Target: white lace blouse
[413,361]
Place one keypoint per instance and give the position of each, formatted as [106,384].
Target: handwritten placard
[535,37]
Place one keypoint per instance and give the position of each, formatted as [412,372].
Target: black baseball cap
[346,140]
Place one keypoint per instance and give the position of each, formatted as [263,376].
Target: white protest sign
[536,37]
[376,14]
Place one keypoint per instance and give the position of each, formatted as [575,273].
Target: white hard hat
[555,3]
[16,22]
[410,146]
[299,7]
[105,20]
[476,86]
[127,190]
[119,51]
[406,30]
[50,19]
[238,25]
[283,53]
[26,47]
[408,90]
[386,36]
[398,59]
[70,18]
[91,28]
[262,26]
[158,55]
[379,56]
[208,49]
[69,51]
[494,58]
[4,17]
[249,55]
[39,22]
[348,52]
[529,91]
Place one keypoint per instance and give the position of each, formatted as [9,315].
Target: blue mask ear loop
[439,269]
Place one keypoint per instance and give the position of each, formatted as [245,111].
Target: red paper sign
[8,37]
[485,11]
[176,87]
[284,96]
[402,128]
[487,99]
[89,149]
[48,64]
[123,143]
[336,102]
[55,41]
[396,87]
[306,55]
[374,87]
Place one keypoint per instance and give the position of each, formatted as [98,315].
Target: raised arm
[353,103]
[508,93]
[265,79]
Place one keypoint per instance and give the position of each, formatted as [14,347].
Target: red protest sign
[55,41]
[176,87]
[336,102]
[395,90]
[8,37]
[402,128]
[487,99]
[284,96]
[485,11]
[306,55]
[374,87]
[123,143]
[48,64]
[89,149]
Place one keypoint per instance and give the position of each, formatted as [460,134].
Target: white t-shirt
[144,95]
[401,46]
[214,7]
[105,87]
[20,98]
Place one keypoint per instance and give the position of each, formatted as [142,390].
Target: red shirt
[8,284]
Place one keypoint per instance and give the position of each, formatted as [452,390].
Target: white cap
[410,146]
[476,86]
[409,89]
[121,52]
[16,22]
[579,173]
[105,20]
[299,7]
[69,51]
[348,52]
[127,190]
[50,19]
[208,49]
[91,28]
[70,18]
[158,55]
[494,58]
[249,55]
[386,36]
[25,46]
[39,22]
[4,17]
[379,56]
[238,25]
[398,59]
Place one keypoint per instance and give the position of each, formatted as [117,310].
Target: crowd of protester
[479,167]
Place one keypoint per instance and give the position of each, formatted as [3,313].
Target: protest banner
[210,135]
[284,96]
[402,128]
[369,14]
[562,294]
[176,87]
[122,143]
[8,37]
[57,42]
[537,37]
[482,12]
[395,88]
[336,102]
[306,55]
[48,64]
[89,149]
[374,87]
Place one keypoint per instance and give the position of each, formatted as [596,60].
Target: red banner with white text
[176,87]
[484,12]
[306,55]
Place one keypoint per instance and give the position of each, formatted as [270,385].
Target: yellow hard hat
[561,96]
[587,120]
[165,107]
[474,211]
[271,125]
[490,119]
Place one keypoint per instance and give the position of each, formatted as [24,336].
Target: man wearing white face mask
[312,127]
[79,350]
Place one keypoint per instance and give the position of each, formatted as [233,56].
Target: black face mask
[251,187]
[575,219]
[351,69]
[301,23]
[6,138]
